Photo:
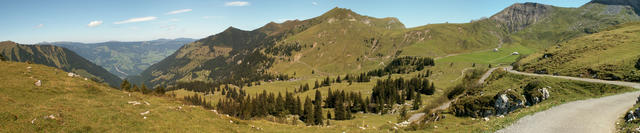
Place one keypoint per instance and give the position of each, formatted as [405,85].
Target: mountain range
[341,41]
[125,58]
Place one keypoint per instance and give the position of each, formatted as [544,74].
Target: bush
[531,91]
[638,64]
[456,91]
[481,106]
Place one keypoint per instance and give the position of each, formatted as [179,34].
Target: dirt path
[486,75]
[596,115]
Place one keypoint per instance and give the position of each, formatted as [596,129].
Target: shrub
[531,91]
[638,64]
[481,106]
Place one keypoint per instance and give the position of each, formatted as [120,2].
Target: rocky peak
[635,4]
[520,15]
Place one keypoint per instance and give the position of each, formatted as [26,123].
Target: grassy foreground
[66,104]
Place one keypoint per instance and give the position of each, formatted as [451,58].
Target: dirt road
[596,115]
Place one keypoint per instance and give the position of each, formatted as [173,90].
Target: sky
[90,21]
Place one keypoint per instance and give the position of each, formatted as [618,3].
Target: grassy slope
[57,57]
[611,54]
[561,91]
[86,106]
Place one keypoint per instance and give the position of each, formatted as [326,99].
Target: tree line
[396,91]
[127,86]
[403,65]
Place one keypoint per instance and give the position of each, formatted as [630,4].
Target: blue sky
[34,21]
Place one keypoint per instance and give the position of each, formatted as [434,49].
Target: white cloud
[174,20]
[94,23]
[237,3]
[132,20]
[39,26]
[178,11]
[314,3]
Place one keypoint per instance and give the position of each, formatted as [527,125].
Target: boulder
[38,83]
[502,101]
[507,102]
[630,116]
[70,74]
[545,93]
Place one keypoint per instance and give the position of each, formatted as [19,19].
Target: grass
[561,91]
[85,106]
[502,56]
[608,55]
[622,126]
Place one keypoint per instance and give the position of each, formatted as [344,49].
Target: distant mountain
[58,57]
[126,58]
[341,41]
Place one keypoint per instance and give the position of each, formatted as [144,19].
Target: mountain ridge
[58,57]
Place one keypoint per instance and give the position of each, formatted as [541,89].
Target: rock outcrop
[508,102]
[635,4]
[518,16]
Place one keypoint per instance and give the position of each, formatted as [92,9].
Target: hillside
[341,41]
[58,57]
[67,104]
[611,55]
[125,58]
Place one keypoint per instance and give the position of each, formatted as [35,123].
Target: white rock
[144,117]
[34,120]
[147,103]
[144,113]
[38,83]
[485,119]
[230,121]
[545,93]
[501,104]
[134,102]
[85,79]
[70,74]
[51,116]
[29,67]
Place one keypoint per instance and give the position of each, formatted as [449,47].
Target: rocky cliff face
[635,4]
[518,16]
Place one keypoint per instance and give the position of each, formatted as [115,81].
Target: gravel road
[596,115]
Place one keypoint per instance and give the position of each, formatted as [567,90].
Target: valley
[530,67]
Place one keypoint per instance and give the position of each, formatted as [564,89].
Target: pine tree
[317,85]
[317,113]
[308,112]
[339,111]
[329,100]
[125,86]
[298,107]
[417,102]
[403,113]
[160,90]
[143,89]
[134,88]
